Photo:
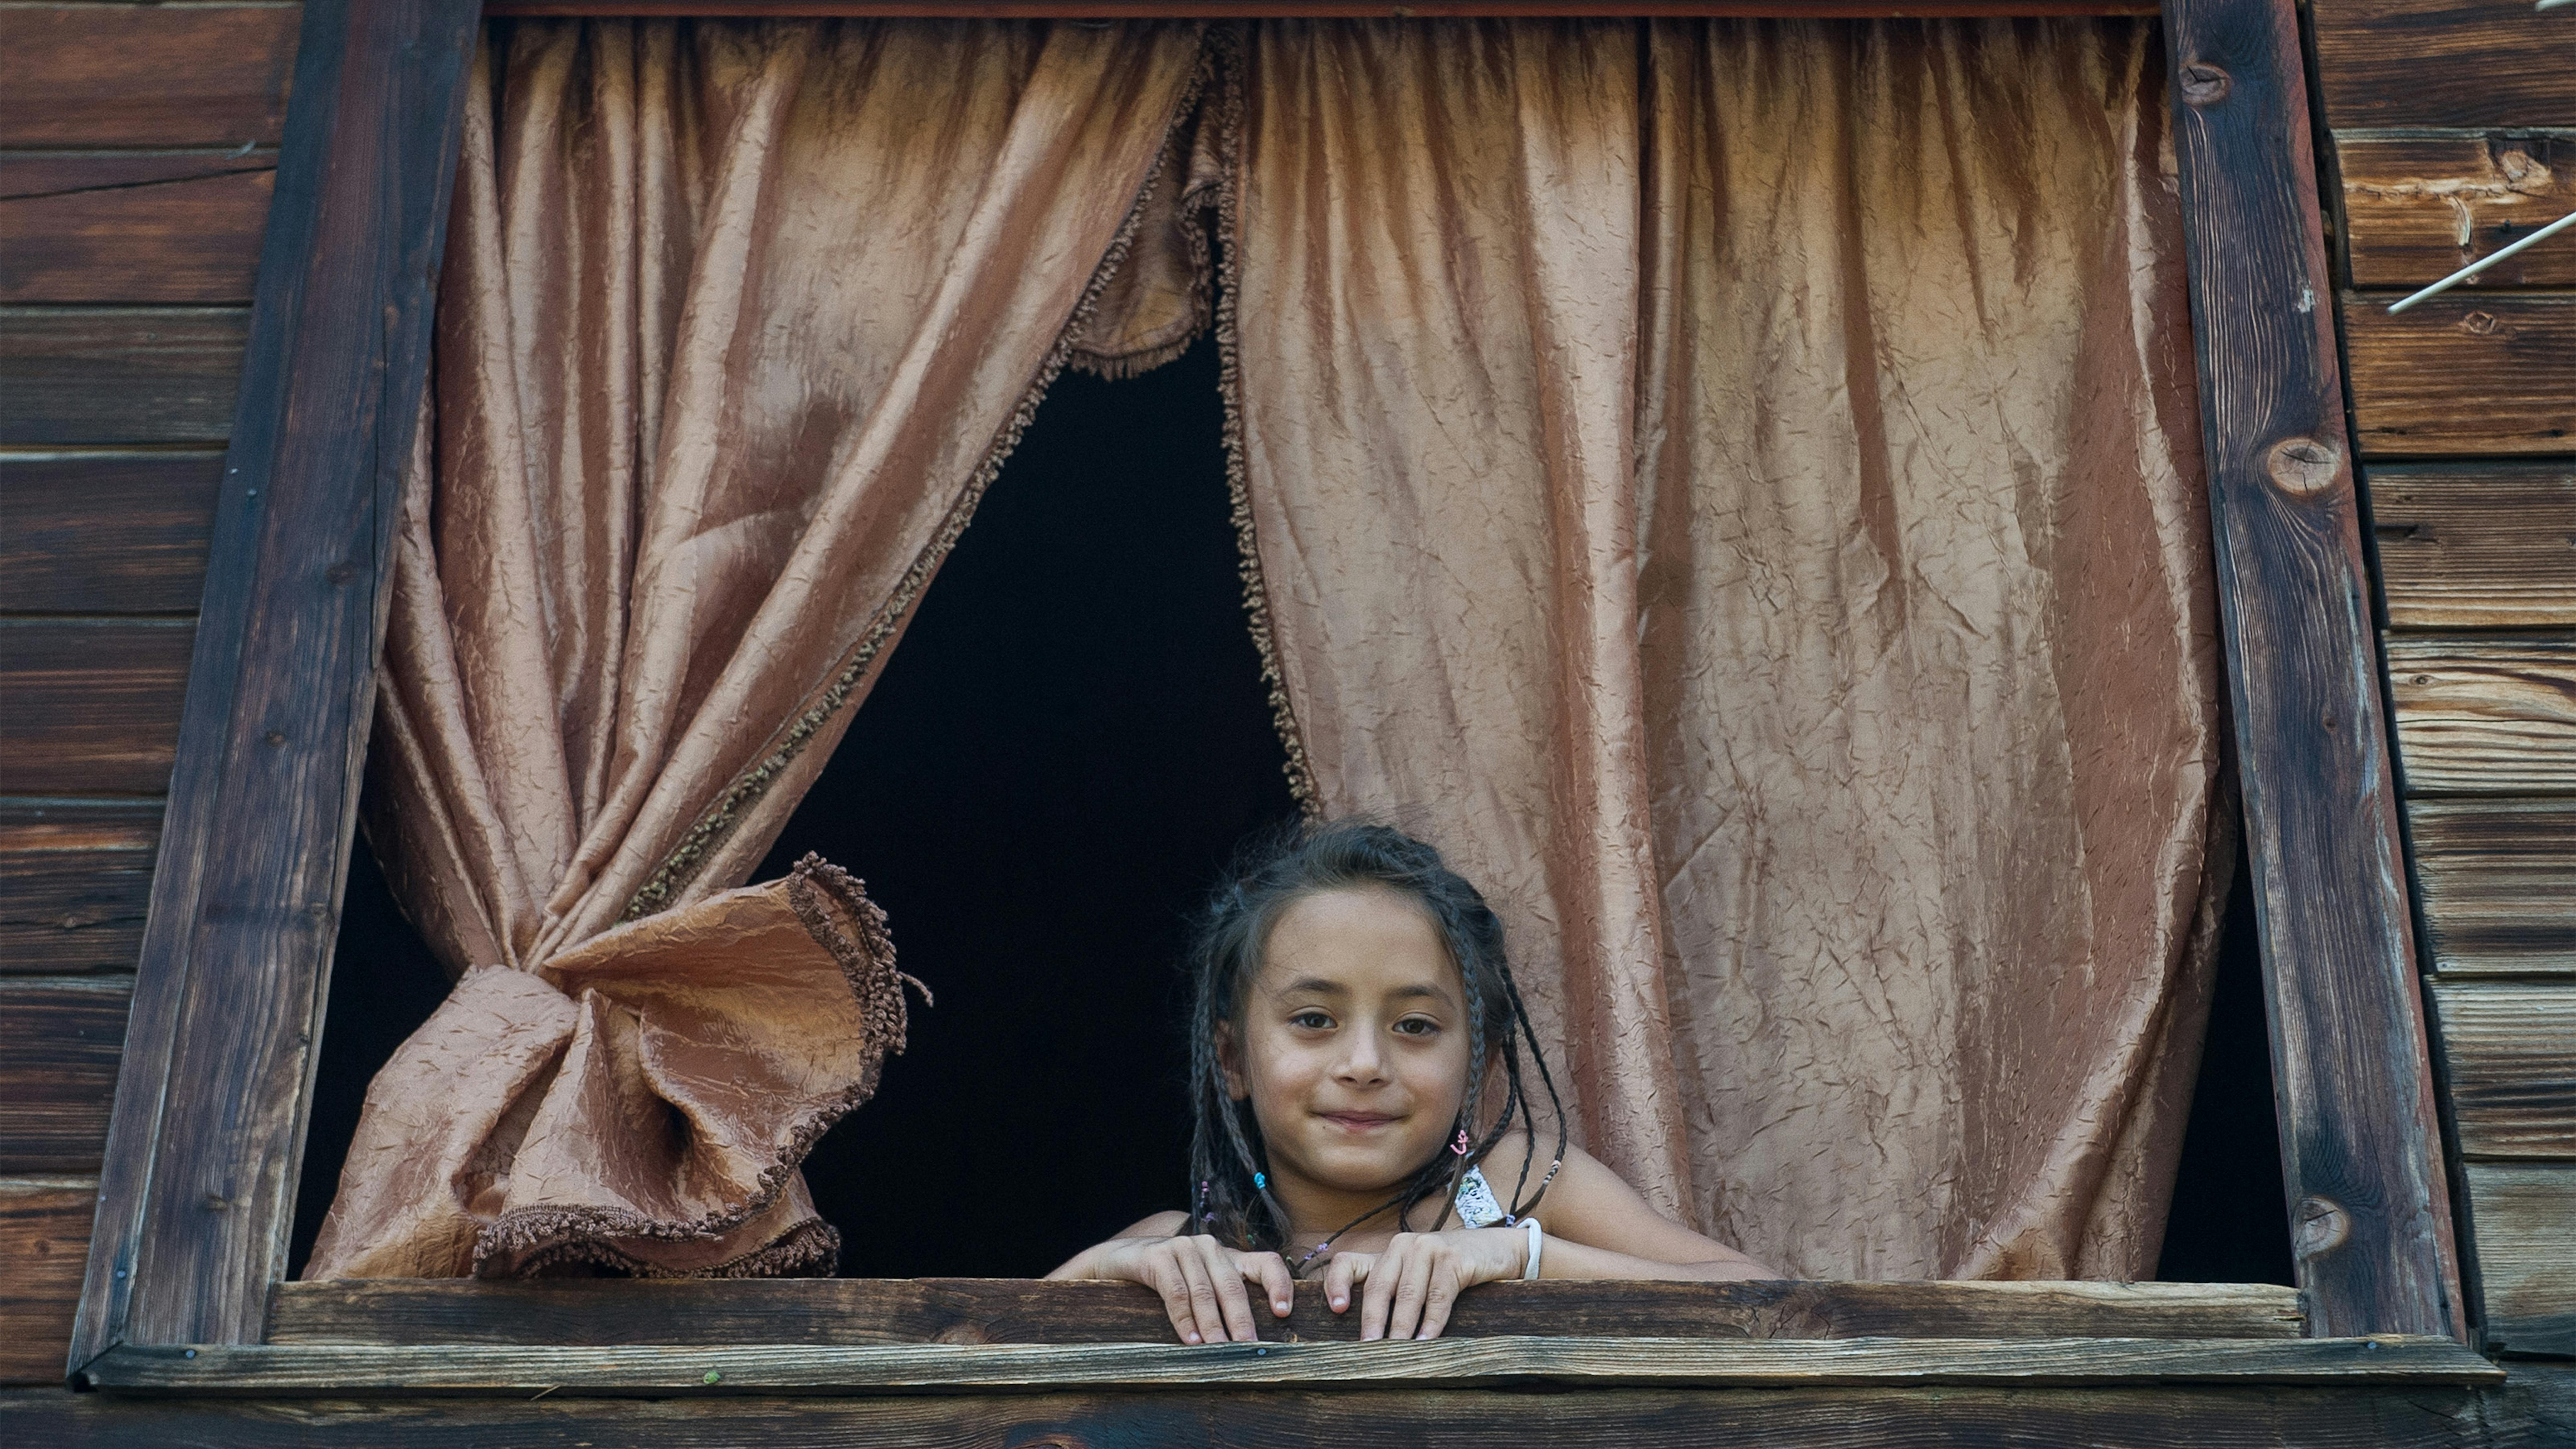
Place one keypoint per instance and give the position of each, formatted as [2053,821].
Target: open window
[199,1221]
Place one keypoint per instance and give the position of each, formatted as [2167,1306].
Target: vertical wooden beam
[197,1195]
[2360,1152]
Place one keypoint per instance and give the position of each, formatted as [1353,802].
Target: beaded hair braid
[1231,1197]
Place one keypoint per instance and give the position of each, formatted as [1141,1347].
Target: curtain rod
[1331,9]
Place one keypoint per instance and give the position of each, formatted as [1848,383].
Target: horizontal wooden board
[855,1312]
[2420,205]
[2499,884]
[2522,1414]
[116,227]
[92,704]
[2443,63]
[2485,716]
[106,533]
[516,1372]
[2474,373]
[2477,545]
[2524,1218]
[145,75]
[59,1040]
[44,1244]
[2509,1056]
[75,881]
[122,375]
[1325,9]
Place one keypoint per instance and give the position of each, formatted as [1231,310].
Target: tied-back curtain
[738,320]
[1736,487]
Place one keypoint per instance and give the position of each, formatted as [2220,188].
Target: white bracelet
[1537,1241]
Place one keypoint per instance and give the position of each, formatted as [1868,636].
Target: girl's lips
[1356,1121]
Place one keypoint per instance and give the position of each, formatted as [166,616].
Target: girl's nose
[1362,1062]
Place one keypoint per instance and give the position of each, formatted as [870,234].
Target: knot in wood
[2202,84]
[2479,324]
[2319,1226]
[2301,467]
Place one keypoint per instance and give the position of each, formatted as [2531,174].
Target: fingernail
[1190,1337]
[1340,1303]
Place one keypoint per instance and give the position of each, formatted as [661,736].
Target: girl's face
[1353,1046]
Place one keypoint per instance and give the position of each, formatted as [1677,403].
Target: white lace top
[1477,1207]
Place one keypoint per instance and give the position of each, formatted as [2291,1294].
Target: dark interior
[1070,740]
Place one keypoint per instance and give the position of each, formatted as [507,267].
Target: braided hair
[1228,1172]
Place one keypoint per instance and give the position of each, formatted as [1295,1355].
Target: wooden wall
[137,148]
[2453,128]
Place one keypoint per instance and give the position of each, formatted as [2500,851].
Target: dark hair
[1229,1197]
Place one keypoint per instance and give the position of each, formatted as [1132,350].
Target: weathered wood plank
[122,375]
[144,75]
[1328,9]
[2524,1414]
[2499,882]
[850,1312]
[44,1236]
[2493,716]
[74,877]
[93,704]
[118,227]
[197,1197]
[106,533]
[2524,1218]
[59,1039]
[2361,1153]
[2442,63]
[2476,545]
[2476,373]
[2509,1050]
[264,1370]
[2420,205]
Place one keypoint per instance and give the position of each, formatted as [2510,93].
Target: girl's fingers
[1410,1291]
[1206,1321]
[1226,1281]
[1345,1271]
[1379,1293]
[1443,1296]
[1271,1272]
[1163,1274]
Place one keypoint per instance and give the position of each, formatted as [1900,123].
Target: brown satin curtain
[738,320]
[1735,485]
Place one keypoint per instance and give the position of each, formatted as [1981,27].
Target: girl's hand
[1410,1288]
[1201,1281]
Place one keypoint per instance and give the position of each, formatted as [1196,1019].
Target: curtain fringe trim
[1226,48]
[717,823]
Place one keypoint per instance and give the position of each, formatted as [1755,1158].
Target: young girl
[1355,1022]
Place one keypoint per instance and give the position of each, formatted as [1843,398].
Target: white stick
[2553,4]
[2491,258]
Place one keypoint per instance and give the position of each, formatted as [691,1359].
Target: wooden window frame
[197,1191]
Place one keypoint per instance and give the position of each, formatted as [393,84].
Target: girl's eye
[1311,1021]
[1417,1026]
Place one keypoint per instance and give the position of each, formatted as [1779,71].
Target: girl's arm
[1201,1280]
[1596,1226]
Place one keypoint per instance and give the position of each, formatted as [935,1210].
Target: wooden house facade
[140,151]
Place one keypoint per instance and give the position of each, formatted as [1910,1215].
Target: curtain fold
[737,322]
[1735,486]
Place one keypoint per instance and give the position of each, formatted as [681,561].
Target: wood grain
[2476,545]
[144,75]
[2443,63]
[196,1200]
[2485,716]
[2420,205]
[115,227]
[124,375]
[44,1236]
[267,1370]
[59,1039]
[93,704]
[2525,1413]
[106,533]
[1346,9]
[2524,1218]
[849,1312]
[2463,374]
[2353,1080]
[2509,1051]
[2499,883]
[74,876]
